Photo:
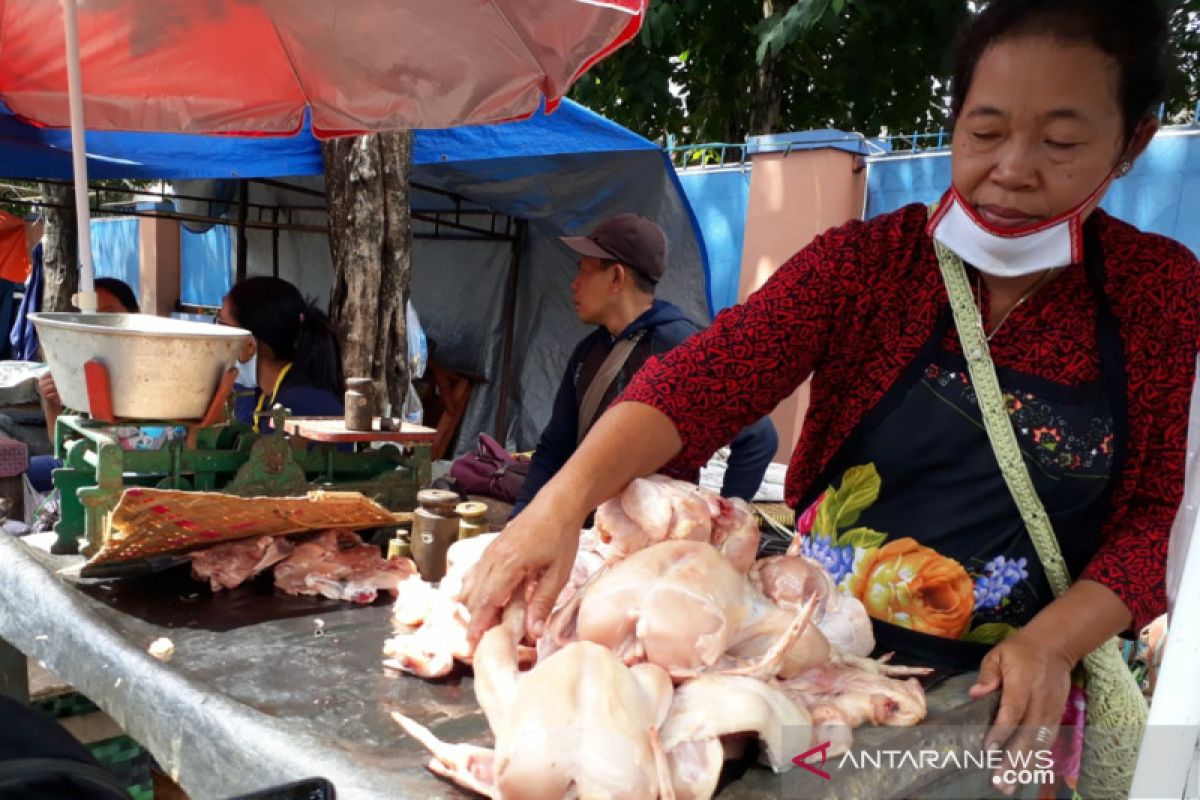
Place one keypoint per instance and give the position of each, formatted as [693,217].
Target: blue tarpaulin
[1161,194]
[31,152]
[115,246]
[720,198]
[205,265]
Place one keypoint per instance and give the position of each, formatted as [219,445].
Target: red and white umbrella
[256,66]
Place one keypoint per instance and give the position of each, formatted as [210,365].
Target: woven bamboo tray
[150,522]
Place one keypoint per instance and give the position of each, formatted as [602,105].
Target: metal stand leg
[14,673]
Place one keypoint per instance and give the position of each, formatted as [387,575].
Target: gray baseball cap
[629,238]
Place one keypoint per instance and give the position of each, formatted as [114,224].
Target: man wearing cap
[620,264]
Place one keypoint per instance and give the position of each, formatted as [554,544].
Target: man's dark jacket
[666,326]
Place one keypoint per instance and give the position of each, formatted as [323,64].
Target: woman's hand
[537,550]
[1033,673]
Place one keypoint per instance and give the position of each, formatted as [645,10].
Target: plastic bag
[418,347]
[414,411]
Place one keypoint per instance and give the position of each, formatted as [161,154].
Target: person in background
[115,297]
[112,297]
[294,359]
[620,265]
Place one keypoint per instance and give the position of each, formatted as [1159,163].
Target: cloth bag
[490,470]
[1116,709]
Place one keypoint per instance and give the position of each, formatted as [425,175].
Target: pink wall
[793,198]
[159,271]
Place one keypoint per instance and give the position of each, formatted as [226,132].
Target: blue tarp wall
[115,251]
[1161,194]
[206,265]
[719,198]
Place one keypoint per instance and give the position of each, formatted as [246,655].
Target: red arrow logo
[801,760]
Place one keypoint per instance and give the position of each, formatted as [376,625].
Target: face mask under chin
[1015,253]
[247,372]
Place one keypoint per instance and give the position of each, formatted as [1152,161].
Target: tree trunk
[769,82]
[370,238]
[60,251]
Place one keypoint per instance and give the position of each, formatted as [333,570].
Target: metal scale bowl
[133,370]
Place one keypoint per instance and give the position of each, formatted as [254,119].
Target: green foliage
[721,70]
[714,70]
[1183,91]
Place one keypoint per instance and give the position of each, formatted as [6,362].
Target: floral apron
[913,517]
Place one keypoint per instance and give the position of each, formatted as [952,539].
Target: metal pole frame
[510,321]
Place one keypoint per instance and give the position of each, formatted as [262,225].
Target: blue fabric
[719,199]
[39,471]
[7,289]
[205,265]
[301,401]
[23,336]
[116,251]
[1160,195]
[27,151]
[666,327]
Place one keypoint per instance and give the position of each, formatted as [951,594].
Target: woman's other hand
[537,549]
[1032,669]
[1033,674]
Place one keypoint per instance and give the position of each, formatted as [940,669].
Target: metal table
[254,697]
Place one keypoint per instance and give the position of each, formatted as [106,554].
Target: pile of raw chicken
[668,649]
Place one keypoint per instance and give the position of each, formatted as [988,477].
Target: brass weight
[435,528]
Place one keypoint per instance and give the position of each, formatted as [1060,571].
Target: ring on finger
[1043,734]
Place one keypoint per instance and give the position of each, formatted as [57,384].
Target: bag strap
[995,419]
[607,373]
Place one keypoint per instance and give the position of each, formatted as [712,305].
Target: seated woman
[112,297]
[294,359]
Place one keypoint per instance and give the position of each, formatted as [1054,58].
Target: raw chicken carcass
[862,690]
[322,566]
[439,618]
[683,606]
[579,724]
[225,566]
[735,532]
[416,598]
[441,638]
[708,710]
[433,622]
[658,508]
[667,509]
[791,580]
